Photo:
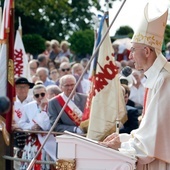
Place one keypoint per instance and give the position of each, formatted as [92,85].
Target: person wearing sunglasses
[35,117]
[150,142]
[71,117]
[65,69]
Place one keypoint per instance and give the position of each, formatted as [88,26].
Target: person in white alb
[35,117]
[151,140]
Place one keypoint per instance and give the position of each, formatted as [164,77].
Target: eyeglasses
[54,72]
[132,50]
[65,69]
[33,68]
[68,85]
[22,87]
[38,95]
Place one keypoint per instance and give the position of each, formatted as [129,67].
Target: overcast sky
[130,12]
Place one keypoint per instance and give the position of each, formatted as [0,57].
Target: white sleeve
[42,119]
[24,122]
[130,147]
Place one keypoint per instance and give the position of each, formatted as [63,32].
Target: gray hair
[43,69]
[54,89]
[68,76]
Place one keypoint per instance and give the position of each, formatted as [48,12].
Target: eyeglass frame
[53,72]
[39,94]
[132,49]
[68,85]
[26,86]
[65,69]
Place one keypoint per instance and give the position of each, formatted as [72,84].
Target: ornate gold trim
[151,40]
[66,164]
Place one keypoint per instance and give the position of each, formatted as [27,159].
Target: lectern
[86,154]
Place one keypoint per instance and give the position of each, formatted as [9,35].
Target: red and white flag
[21,68]
[4,25]
[107,98]
[6,62]
[5,19]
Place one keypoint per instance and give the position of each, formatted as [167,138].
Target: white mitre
[150,31]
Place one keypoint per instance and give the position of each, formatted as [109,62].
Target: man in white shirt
[22,86]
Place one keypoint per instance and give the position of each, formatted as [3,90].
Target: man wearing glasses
[65,69]
[151,140]
[71,117]
[22,86]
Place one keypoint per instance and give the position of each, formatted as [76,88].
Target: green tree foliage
[54,19]
[82,42]
[124,31]
[34,43]
[167,34]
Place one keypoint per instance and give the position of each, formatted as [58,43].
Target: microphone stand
[74,89]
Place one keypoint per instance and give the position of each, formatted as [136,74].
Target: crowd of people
[53,74]
[40,100]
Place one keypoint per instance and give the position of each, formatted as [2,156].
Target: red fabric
[10,66]
[34,141]
[87,108]
[68,111]
[145,99]
[126,53]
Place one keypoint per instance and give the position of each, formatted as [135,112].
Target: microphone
[126,71]
[4,104]
[127,77]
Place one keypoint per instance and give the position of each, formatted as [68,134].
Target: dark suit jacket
[132,122]
[64,123]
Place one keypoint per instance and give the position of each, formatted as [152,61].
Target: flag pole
[10,66]
[107,12]
[10,77]
[74,89]
[20,26]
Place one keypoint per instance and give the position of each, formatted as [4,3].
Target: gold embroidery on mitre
[11,72]
[150,40]
[63,164]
